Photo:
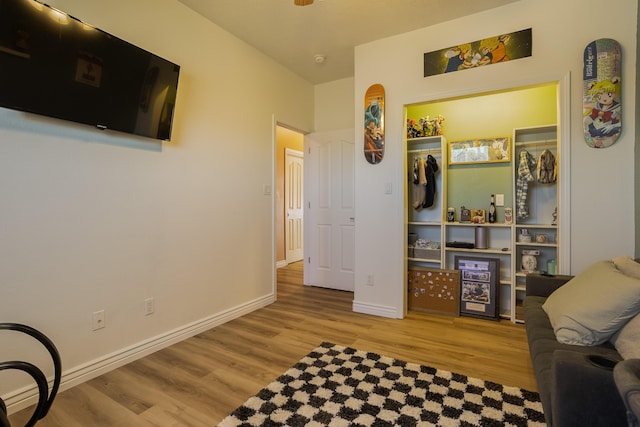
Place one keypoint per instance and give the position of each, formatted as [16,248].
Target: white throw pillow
[628,266]
[593,305]
[627,339]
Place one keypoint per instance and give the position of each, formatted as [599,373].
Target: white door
[329,252]
[293,187]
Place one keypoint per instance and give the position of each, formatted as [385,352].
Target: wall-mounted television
[55,65]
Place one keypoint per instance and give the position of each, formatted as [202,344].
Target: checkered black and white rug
[340,386]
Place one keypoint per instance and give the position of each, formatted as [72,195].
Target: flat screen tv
[55,65]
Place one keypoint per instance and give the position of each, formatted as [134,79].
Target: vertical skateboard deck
[602,115]
[374,124]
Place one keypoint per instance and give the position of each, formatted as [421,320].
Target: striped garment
[526,169]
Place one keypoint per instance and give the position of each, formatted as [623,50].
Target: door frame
[563,81]
[272,193]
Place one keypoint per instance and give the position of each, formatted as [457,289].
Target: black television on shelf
[55,65]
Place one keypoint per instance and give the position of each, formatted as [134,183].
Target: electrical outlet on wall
[98,320]
[149,306]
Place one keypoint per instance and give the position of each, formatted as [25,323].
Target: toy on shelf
[425,126]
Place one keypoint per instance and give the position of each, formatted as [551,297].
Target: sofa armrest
[627,377]
[543,285]
[583,390]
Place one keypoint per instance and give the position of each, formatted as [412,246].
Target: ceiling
[294,35]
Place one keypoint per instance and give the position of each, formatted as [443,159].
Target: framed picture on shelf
[479,280]
[487,150]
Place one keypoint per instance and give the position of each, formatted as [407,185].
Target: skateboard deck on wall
[602,115]
[374,124]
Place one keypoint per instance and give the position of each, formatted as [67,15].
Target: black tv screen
[55,65]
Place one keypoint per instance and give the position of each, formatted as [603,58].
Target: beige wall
[334,105]
[93,220]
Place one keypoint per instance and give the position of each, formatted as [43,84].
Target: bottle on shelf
[492,210]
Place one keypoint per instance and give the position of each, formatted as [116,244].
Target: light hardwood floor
[199,381]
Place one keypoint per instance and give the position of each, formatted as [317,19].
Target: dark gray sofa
[575,383]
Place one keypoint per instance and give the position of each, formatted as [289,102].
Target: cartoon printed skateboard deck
[602,115]
[374,124]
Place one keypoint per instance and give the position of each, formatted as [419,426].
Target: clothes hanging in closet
[424,181]
[419,182]
[525,175]
[547,167]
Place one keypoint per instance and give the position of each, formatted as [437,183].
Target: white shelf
[535,244]
[425,260]
[473,224]
[540,143]
[423,139]
[478,251]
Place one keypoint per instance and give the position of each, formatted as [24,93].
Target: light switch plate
[499,199]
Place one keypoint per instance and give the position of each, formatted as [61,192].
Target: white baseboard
[281,264]
[375,309]
[28,396]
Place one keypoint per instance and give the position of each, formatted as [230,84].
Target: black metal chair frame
[45,397]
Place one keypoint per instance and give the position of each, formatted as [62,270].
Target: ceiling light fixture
[302,2]
[319,58]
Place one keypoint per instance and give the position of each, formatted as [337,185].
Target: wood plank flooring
[199,381]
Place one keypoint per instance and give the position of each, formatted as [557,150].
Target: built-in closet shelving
[426,223]
[499,245]
[503,239]
[542,219]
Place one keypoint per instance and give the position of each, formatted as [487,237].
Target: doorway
[287,140]
[322,236]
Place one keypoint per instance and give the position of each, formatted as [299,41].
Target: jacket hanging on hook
[424,180]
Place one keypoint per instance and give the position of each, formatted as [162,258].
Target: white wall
[602,181]
[334,105]
[92,220]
